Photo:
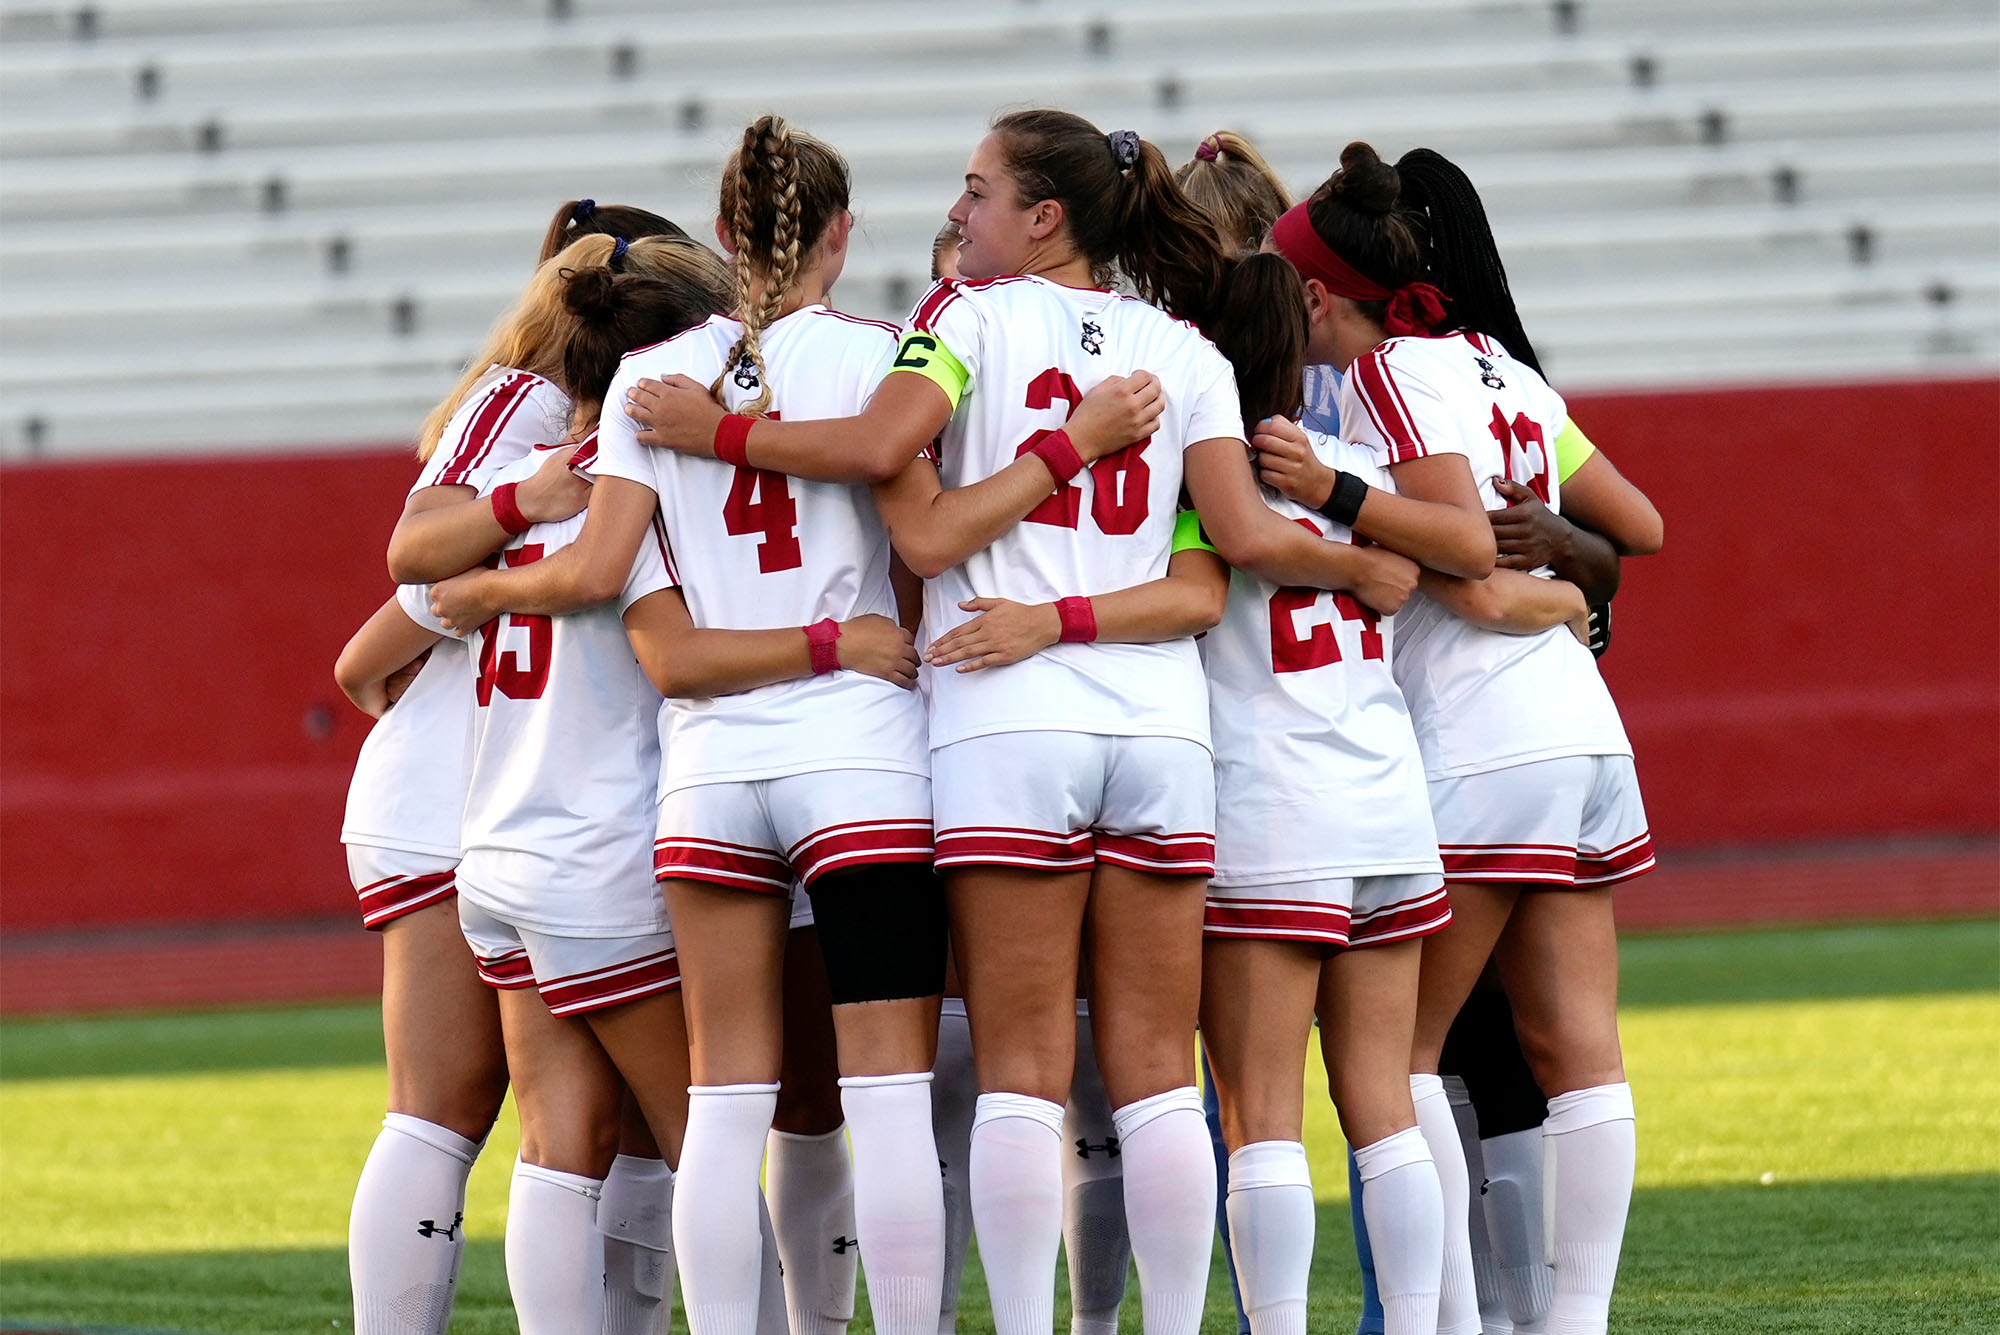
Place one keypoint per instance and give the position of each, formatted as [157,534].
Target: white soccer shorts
[1575,822]
[575,974]
[769,834]
[392,882]
[1335,912]
[1065,801]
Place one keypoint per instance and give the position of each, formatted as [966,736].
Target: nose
[958,213]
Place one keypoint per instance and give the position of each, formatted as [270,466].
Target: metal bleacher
[285,223]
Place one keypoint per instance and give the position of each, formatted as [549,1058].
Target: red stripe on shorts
[1630,859]
[613,986]
[688,859]
[509,973]
[1471,862]
[1420,915]
[1190,854]
[1008,847]
[862,843]
[399,896]
[1276,920]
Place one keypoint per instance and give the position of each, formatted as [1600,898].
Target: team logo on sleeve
[1093,337]
[746,373]
[1487,375]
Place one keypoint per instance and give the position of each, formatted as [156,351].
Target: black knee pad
[1483,1050]
[881,932]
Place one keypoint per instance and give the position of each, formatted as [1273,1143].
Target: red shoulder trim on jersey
[666,548]
[942,294]
[1386,408]
[586,452]
[883,325]
[683,334]
[501,403]
[981,284]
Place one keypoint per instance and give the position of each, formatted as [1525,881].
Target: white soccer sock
[898,1198]
[1458,1303]
[718,1241]
[1271,1222]
[1493,1317]
[636,1217]
[1591,1151]
[809,1184]
[954,1093]
[1404,1213]
[772,1318]
[1169,1205]
[406,1232]
[1016,1180]
[1094,1238]
[1514,1222]
[555,1255]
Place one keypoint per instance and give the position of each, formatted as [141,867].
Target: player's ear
[723,239]
[1318,311]
[837,231]
[1045,219]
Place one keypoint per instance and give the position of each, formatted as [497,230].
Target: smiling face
[1001,231]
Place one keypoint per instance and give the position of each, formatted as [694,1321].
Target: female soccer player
[447,1072]
[1530,774]
[1075,785]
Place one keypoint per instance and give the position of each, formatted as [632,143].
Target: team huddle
[831,772]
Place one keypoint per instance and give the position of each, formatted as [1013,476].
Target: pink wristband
[507,509]
[1059,453]
[1079,620]
[820,638]
[732,439]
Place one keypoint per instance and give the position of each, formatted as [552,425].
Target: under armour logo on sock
[428,1228]
[1484,1183]
[842,1244]
[1109,1148]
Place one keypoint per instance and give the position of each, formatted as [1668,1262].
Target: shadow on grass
[1892,1255]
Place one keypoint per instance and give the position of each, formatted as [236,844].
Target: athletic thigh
[440,1024]
[1453,959]
[1145,977]
[1256,1018]
[1017,938]
[565,1086]
[1018,799]
[1367,1025]
[647,1040]
[809,1088]
[1559,961]
[731,945]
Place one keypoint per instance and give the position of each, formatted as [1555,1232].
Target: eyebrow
[975,176]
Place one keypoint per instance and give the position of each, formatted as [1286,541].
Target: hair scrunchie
[1208,150]
[584,208]
[618,253]
[1124,147]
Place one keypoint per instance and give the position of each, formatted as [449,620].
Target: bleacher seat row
[256,223]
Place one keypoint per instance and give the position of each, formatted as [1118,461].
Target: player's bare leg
[1559,960]
[447,1079]
[1367,1011]
[568,1094]
[808,1177]
[1257,1002]
[1016,937]
[1145,944]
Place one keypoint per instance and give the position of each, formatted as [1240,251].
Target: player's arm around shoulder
[381,657]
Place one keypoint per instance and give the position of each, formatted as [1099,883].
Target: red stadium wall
[1815,657]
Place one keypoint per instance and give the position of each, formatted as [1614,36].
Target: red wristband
[507,510]
[820,637]
[1059,453]
[1079,620]
[732,439]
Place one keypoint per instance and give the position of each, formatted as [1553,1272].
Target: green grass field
[1819,1150]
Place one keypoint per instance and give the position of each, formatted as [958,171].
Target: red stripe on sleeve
[1385,407]
[493,415]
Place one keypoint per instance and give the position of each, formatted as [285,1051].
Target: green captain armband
[930,358]
[1189,536]
[1572,448]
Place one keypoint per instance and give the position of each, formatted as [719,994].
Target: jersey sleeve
[506,415]
[652,568]
[1572,448]
[1395,413]
[619,453]
[944,340]
[415,600]
[1215,411]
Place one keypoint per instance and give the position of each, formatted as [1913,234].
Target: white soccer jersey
[1317,772]
[558,829]
[756,550]
[408,790]
[506,414]
[1481,700]
[1032,349]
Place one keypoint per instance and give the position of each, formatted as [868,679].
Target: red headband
[1414,308]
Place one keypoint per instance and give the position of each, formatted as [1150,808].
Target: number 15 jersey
[1026,351]
[756,550]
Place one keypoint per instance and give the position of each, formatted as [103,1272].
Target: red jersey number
[1122,480]
[515,674]
[1529,467]
[760,503]
[1292,652]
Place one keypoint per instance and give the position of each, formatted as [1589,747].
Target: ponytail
[1168,245]
[1262,327]
[667,285]
[1459,250]
[1231,181]
[577,218]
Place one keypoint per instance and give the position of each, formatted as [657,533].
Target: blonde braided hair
[779,191]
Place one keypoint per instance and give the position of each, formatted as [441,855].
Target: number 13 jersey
[756,550]
[1030,350]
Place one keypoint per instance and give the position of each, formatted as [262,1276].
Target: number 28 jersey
[756,550]
[1316,765]
[1030,350]
[1481,700]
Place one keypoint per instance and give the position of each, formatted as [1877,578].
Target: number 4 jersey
[756,550]
[558,828]
[1481,700]
[1316,765]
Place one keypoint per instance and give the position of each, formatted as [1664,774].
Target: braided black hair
[1459,250]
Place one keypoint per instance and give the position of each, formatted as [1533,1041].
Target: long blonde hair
[1230,179]
[780,189]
